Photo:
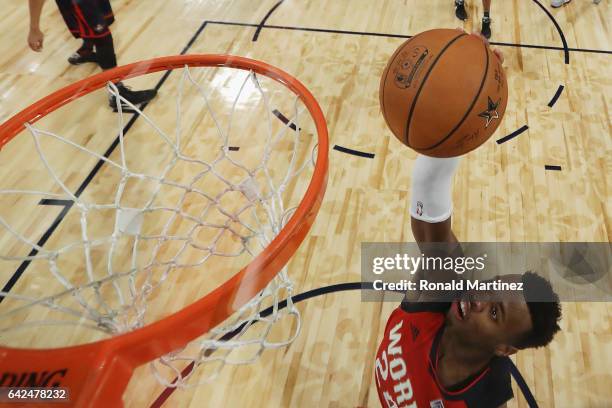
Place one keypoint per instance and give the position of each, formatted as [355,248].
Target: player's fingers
[499,54]
[496,51]
[481,36]
[35,40]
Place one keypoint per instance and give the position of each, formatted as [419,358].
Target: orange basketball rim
[96,374]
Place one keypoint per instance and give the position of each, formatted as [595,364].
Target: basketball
[443,93]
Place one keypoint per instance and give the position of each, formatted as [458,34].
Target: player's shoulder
[422,316]
[494,389]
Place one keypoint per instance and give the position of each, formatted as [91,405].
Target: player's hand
[35,39]
[496,51]
[478,34]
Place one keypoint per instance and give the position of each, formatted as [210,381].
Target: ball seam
[416,97]
[469,110]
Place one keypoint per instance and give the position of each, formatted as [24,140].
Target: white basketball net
[186,214]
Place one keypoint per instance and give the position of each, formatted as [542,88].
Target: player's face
[492,321]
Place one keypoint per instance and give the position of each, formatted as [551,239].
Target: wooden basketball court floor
[548,183]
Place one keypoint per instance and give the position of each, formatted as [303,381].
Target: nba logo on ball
[443,93]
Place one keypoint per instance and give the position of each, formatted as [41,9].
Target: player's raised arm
[430,213]
[432,179]
[35,36]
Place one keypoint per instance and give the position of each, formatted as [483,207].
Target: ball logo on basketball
[443,93]
[408,65]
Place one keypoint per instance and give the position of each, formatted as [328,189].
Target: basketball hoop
[97,373]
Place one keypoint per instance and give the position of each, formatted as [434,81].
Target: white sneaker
[558,3]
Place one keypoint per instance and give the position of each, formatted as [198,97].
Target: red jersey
[407,359]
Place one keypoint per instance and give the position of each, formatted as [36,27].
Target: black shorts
[87,18]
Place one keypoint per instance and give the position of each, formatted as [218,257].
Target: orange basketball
[443,93]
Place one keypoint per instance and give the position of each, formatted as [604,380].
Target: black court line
[285,120]
[41,242]
[512,135]
[550,47]
[522,384]
[353,152]
[52,201]
[47,234]
[557,95]
[340,287]
[389,35]
[308,29]
[194,37]
[263,22]
[552,167]
[563,40]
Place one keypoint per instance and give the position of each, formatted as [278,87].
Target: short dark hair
[544,308]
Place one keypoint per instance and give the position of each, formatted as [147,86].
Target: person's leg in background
[94,18]
[460,11]
[91,20]
[97,14]
[486,19]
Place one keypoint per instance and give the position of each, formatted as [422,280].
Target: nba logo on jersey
[419,208]
[436,404]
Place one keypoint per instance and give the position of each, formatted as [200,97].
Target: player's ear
[505,350]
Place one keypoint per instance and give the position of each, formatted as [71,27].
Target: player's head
[544,310]
[503,322]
